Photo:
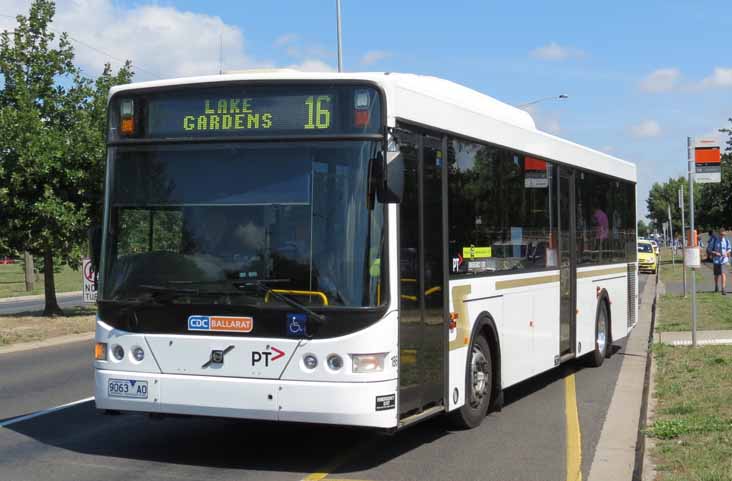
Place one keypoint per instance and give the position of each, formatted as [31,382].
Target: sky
[640,76]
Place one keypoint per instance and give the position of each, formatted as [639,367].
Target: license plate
[127,388]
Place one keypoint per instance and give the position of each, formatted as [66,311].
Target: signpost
[705,166]
[90,287]
[683,230]
[671,236]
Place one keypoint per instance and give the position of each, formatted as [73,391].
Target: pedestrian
[710,241]
[721,252]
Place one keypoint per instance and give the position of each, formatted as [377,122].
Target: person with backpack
[721,253]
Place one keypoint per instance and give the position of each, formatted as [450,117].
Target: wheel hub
[480,377]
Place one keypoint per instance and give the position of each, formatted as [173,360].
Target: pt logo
[267,356]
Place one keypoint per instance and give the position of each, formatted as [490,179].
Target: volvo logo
[217,357]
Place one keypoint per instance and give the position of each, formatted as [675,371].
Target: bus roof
[462,111]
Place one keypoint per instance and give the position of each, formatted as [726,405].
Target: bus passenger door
[422,332]
[567,262]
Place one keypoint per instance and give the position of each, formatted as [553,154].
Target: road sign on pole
[90,287]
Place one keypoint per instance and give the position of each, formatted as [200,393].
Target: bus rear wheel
[602,331]
[478,385]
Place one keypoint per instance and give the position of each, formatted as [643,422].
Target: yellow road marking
[335,463]
[574,438]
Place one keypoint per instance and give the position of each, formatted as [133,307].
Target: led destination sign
[251,111]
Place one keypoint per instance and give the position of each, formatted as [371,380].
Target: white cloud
[645,129]
[312,65]
[661,80]
[285,39]
[721,77]
[373,56]
[163,40]
[554,51]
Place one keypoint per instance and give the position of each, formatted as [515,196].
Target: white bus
[365,249]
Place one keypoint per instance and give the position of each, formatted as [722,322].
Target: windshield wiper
[261,286]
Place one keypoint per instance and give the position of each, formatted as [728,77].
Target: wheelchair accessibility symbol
[297,324]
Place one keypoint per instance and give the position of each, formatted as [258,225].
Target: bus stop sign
[707,161]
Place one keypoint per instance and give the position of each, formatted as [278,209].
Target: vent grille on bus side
[632,296]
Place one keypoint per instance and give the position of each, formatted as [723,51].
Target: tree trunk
[29,275]
[52,307]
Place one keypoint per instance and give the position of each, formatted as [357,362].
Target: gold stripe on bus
[602,272]
[462,339]
[530,281]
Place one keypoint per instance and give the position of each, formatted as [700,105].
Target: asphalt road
[525,441]
[31,305]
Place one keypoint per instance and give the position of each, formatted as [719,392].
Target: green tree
[715,209]
[51,144]
[663,195]
[642,228]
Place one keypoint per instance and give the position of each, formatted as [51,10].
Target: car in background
[656,250]
[647,259]
[7,260]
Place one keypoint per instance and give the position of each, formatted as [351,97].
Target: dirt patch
[32,326]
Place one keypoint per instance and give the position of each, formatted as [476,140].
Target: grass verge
[31,326]
[713,311]
[693,420]
[12,281]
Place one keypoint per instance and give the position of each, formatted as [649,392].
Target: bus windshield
[220,213]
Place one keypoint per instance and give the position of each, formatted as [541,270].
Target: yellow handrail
[322,295]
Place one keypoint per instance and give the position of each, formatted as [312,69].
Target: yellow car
[646,257]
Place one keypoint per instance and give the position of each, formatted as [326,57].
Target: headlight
[118,352]
[138,354]
[335,362]
[310,361]
[363,363]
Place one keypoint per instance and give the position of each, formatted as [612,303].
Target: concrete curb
[38,297]
[53,341]
[618,448]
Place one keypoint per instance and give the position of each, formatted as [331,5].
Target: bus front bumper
[344,403]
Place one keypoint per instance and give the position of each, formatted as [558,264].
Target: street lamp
[553,97]
[338,20]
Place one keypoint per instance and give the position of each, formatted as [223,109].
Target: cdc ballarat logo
[199,323]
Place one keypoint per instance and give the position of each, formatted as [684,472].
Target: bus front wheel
[478,385]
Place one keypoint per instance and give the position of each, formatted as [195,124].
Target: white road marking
[702,342]
[43,412]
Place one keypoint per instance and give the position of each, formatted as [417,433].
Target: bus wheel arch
[605,297]
[485,326]
[484,337]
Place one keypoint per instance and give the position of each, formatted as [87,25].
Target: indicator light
[127,116]
[100,351]
[364,363]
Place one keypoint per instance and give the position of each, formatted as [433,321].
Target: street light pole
[553,97]
[340,52]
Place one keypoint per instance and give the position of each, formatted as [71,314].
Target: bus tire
[602,335]
[478,385]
